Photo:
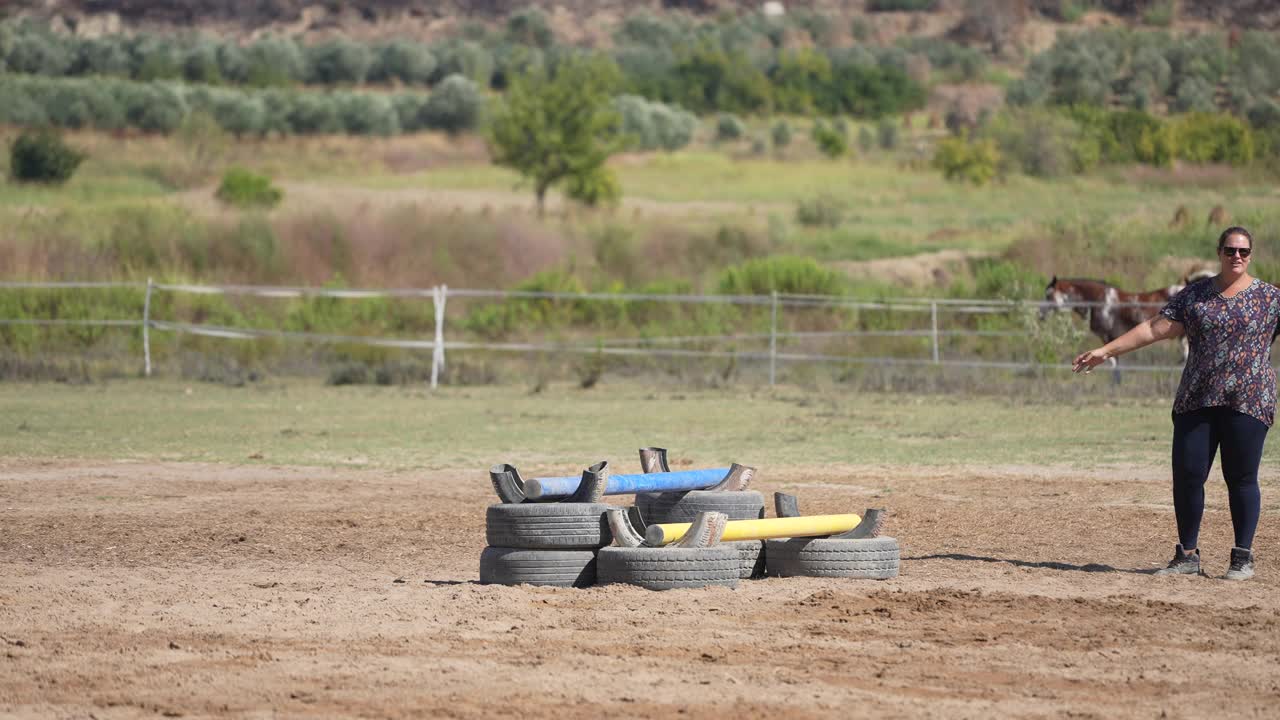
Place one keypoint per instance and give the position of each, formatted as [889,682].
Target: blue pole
[680,481]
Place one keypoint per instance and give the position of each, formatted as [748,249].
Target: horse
[1110,311]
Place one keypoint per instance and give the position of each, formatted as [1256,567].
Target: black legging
[1196,437]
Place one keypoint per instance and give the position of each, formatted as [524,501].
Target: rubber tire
[659,508]
[669,568]
[559,568]
[548,526]
[870,558]
[751,558]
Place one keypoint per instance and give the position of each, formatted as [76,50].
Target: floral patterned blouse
[1230,360]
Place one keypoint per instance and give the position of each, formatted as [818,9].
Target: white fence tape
[637,347]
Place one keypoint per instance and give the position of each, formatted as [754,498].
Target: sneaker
[1184,563]
[1241,564]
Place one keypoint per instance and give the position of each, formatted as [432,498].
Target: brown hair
[1234,230]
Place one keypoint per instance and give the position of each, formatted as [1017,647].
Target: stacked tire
[682,507]
[876,558]
[543,543]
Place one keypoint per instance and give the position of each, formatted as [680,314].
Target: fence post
[439,294]
[933,316]
[146,331]
[773,339]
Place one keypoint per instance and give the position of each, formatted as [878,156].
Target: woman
[1227,396]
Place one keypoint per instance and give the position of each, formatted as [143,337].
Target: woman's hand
[1087,361]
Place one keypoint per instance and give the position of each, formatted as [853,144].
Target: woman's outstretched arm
[1147,332]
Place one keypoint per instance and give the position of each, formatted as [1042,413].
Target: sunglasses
[1231,251]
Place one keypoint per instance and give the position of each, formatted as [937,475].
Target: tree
[560,126]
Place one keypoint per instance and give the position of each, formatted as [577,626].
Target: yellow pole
[807,526]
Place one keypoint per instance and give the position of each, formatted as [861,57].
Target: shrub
[781,134]
[465,58]
[530,26]
[887,134]
[403,60]
[339,61]
[454,106]
[238,113]
[275,60]
[637,121]
[825,210]
[314,114]
[866,139]
[200,62]
[782,274]
[902,5]
[1203,138]
[644,28]
[963,160]
[102,56]
[77,104]
[1160,13]
[152,107]
[673,125]
[729,128]
[245,189]
[1043,143]
[410,110]
[19,107]
[830,141]
[367,114]
[42,156]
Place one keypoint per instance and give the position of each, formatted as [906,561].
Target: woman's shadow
[1088,567]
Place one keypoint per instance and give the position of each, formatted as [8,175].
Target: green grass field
[303,423]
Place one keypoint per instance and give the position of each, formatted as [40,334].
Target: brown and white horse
[1110,311]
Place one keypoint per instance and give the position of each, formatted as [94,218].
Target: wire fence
[934,313]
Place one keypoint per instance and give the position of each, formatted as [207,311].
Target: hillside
[575,17]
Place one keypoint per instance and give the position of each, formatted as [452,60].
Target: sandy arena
[188,590]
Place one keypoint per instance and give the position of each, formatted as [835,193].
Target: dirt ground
[188,590]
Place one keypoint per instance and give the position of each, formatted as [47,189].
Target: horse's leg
[1115,370]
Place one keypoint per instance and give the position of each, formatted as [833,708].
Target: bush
[963,160]
[729,128]
[902,5]
[408,62]
[314,114]
[465,58]
[454,106]
[275,60]
[782,274]
[152,107]
[866,139]
[637,121]
[41,156]
[887,134]
[102,56]
[78,104]
[830,142]
[673,125]
[1043,142]
[245,189]
[238,113]
[1204,138]
[367,114]
[825,210]
[530,26]
[339,61]
[781,134]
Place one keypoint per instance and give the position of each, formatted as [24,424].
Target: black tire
[669,568]
[751,563]
[514,566]
[871,558]
[658,508]
[548,526]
